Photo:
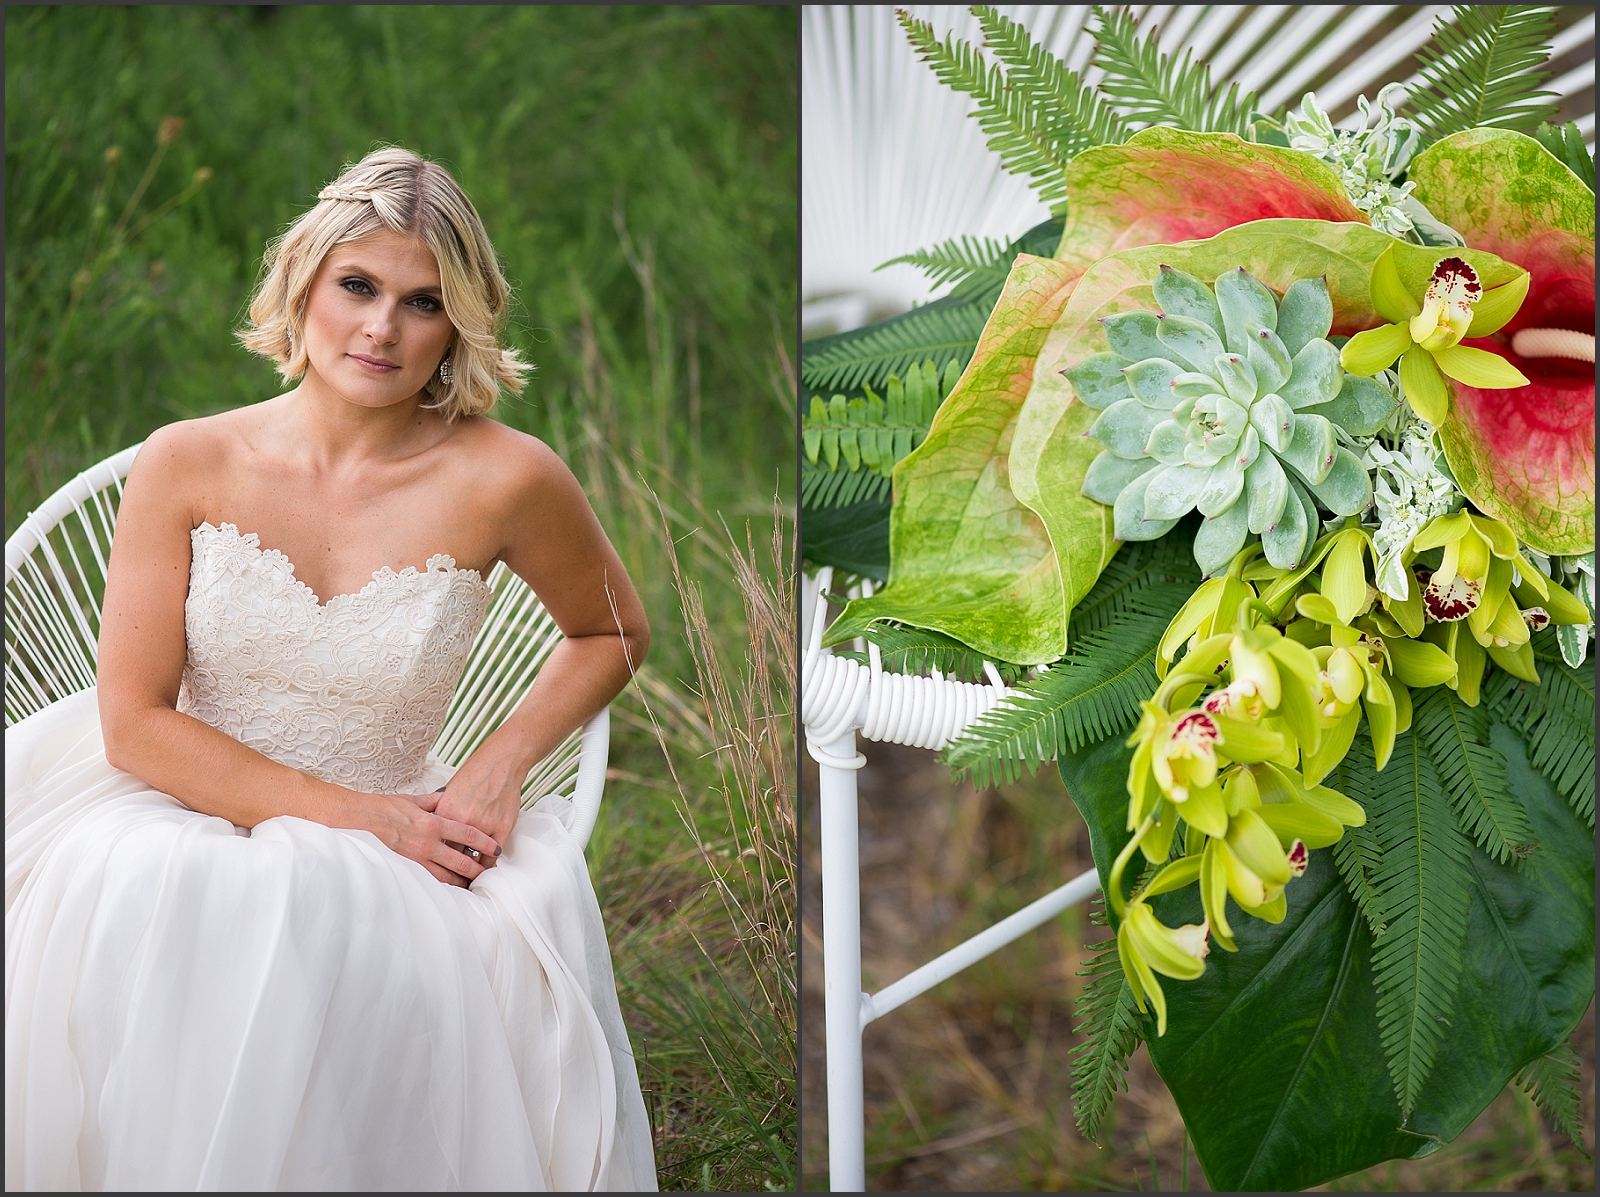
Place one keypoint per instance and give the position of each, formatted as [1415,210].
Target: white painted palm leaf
[893,164]
[55,579]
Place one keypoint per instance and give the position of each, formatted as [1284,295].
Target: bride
[256,937]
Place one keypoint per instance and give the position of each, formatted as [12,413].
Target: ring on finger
[473,852]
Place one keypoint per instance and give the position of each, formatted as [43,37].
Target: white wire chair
[838,697]
[893,165]
[55,578]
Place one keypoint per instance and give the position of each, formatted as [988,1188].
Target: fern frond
[1081,700]
[821,488]
[943,331]
[1108,1019]
[1153,88]
[1359,858]
[1554,1082]
[970,262]
[1485,66]
[1011,126]
[1566,143]
[851,446]
[1139,566]
[1421,885]
[1473,774]
[1071,114]
[904,649]
[1557,717]
[1358,854]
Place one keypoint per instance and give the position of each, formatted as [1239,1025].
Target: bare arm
[556,545]
[142,651]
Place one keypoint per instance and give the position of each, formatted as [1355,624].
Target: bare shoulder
[183,465]
[509,464]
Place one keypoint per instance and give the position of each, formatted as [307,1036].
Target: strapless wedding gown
[190,1005]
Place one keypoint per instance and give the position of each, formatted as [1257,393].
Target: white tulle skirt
[192,1007]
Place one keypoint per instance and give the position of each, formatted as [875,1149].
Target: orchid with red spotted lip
[1426,337]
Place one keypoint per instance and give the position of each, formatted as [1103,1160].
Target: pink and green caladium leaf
[1163,186]
[1525,454]
[965,556]
[1276,252]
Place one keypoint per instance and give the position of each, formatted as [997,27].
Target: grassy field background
[635,168]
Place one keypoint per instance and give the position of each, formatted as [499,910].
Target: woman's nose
[382,327]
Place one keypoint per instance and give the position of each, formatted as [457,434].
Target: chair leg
[841,955]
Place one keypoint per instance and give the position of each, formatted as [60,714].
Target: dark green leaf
[1557,716]
[1275,1056]
[853,538]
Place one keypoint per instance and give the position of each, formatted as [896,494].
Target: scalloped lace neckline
[438,563]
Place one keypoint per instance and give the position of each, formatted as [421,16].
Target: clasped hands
[457,831]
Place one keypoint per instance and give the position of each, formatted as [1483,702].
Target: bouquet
[1265,468]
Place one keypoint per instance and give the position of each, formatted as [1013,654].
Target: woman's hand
[411,825]
[485,793]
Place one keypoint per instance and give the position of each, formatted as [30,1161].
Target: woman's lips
[376,364]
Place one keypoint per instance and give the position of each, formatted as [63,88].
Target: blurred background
[636,170]
[968,1086]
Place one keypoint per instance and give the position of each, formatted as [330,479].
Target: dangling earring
[445,372]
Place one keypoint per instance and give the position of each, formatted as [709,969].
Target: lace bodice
[353,692]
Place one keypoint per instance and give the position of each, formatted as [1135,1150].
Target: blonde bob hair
[394,190]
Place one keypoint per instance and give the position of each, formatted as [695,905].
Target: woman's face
[375,322]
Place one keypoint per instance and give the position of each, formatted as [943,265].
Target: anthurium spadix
[1425,333]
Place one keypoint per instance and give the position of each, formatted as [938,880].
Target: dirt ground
[967,1087]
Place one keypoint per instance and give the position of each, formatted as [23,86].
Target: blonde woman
[255,937]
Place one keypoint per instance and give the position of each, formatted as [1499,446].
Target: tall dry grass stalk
[704,934]
[744,838]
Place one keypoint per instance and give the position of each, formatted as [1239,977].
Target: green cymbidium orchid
[1242,769]
[1147,946]
[1483,583]
[1426,335]
[1226,403]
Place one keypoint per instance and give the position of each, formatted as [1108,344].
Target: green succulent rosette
[1226,403]
[1301,282]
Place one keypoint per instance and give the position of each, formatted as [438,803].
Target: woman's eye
[428,303]
[356,286]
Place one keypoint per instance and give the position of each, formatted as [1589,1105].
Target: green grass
[635,168]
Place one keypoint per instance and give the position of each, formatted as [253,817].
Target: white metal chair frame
[55,578]
[838,696]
